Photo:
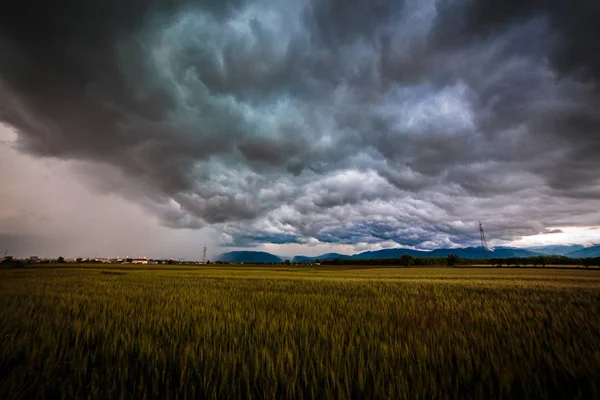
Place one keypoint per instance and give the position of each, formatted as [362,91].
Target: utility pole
[482,238]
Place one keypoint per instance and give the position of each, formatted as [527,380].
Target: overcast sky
[297,127]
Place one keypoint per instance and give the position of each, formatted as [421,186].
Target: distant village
[102,260]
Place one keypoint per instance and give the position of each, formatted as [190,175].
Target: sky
[154,128]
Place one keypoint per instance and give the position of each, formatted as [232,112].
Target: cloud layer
[317,121]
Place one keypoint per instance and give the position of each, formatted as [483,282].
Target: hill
[249,257]
[592,251]
[327,256]
[556,250]
[498,252]
[390,253]
[466,252]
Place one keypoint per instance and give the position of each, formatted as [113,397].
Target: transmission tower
[204,255]
[482,236]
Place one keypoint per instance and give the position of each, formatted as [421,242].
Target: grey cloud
[335,23]
[247,115]
[15,244]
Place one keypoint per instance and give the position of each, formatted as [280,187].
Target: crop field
[166,332]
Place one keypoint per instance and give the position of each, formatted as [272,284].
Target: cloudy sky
[297,127]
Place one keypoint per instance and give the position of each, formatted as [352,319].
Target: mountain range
[575,251]
[593,251]
[249,257]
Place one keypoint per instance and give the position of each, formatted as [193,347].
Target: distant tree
[287,262]
[407,260]
[452,260]
[586,262]
[60,260]
[539,261]
[10,262]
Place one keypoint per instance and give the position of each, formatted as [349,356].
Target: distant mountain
[502,252]
[593,251]
[302,259]
[387,253]
[556,250]
[390,253]
[327,256]
[468,252]
[249,257]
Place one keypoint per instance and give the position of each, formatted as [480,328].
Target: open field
[128,331]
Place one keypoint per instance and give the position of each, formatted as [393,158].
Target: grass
[137,332]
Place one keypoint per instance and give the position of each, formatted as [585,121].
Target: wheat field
[183,332]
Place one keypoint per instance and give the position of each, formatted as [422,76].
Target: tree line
[454,260]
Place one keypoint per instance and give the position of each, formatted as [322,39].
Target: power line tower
[204,255]
[482,237]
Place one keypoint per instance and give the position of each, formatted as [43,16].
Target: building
[139,261]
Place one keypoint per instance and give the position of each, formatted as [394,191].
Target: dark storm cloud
[279,122]
[575,27]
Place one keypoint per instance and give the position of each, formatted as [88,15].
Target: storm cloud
[356,122]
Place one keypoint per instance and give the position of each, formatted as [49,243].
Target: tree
[10,262]
[452,260]
[60,260]
[407,260]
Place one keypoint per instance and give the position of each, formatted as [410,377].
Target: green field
[114,331]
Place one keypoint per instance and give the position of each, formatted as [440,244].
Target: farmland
[104,331]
